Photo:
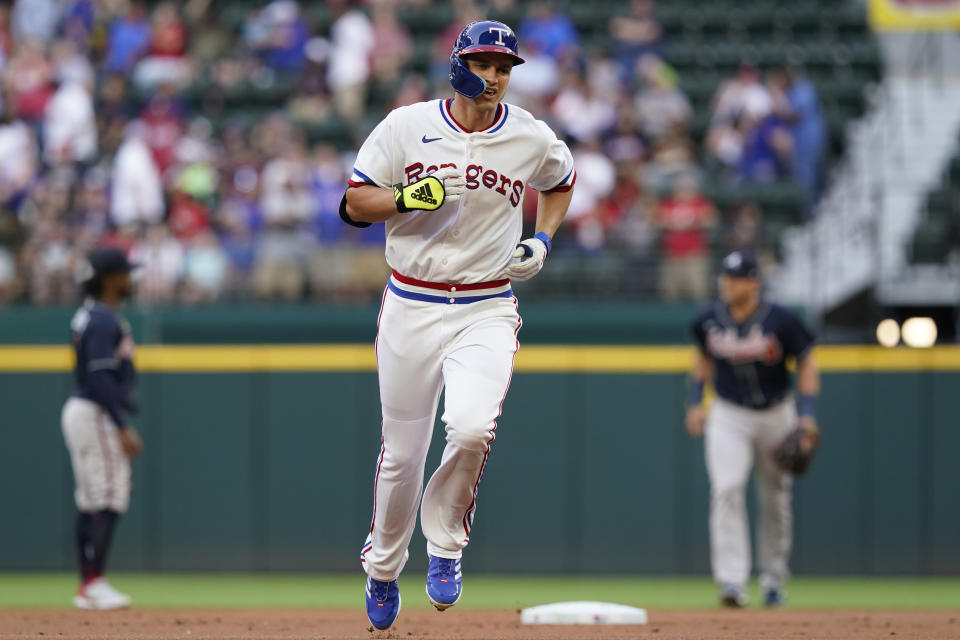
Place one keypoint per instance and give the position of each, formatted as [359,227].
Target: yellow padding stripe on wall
[531,359]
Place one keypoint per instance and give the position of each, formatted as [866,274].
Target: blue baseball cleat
[444,582]
[383,602]
[773,598]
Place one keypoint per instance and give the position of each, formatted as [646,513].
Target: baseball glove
[796,451]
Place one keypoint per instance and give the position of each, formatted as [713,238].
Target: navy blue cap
[740,264]
[107,261]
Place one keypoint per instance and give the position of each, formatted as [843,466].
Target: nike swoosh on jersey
[425,139]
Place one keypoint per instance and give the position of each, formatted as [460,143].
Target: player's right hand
[696,418]
[130,442]
[430,193]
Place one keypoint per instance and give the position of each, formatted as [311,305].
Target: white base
[583,613]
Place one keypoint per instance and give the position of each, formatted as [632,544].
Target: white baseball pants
[423,348]
[735,438]
[101,470]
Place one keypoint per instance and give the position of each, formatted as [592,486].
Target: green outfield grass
[270,590]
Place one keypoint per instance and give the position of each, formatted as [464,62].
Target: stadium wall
[261,458]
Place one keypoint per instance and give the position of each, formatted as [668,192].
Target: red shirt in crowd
[684,220]
[187,217]
[163,130]
[169,40]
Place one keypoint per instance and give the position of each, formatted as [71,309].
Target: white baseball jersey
[449,321]
[471,240]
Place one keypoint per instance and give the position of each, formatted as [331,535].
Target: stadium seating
[704,42]
[938,234]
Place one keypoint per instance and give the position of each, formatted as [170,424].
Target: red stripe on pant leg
[493,436]
[376,481]
[476,487]
[376,342]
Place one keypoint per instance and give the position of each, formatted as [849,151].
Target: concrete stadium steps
[864,223]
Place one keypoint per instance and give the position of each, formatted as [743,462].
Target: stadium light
[920,333]
[888,333]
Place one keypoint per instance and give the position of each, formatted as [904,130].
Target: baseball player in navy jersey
[447,177]
[96,425]
[744,343]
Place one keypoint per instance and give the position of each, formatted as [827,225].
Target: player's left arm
[554,179]
[798,342]
[527,259]
[808,389]
[552,209]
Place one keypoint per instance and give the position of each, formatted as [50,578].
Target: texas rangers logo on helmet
[484,36]
[500,31]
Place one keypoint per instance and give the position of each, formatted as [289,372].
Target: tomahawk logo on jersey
[475,236]
[750,357]
[756,346]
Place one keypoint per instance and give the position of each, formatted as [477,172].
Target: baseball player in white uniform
[447,177]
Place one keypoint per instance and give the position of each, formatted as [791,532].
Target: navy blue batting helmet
[479,37]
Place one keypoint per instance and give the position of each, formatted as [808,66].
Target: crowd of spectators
[117,129]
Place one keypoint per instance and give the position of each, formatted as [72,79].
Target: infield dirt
[160,624]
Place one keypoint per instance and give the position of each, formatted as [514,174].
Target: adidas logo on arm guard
[424,194]
[429,193]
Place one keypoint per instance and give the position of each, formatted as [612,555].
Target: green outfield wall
[261,457]
[256,467]
[602,322]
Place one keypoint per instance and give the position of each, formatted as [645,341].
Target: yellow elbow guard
[424,195]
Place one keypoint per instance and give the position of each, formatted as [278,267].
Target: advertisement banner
[915,15]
